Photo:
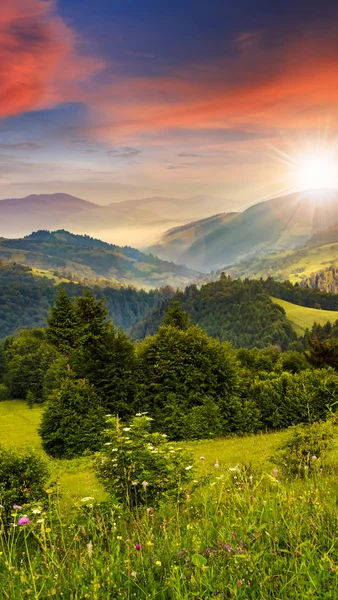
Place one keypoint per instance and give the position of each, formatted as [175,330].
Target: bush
[305,448]
[22,478]
[139,467]
[73,420]
[4,392]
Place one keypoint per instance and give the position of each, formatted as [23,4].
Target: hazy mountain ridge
[87,257]
[136,222]
[175,242]
[274,225]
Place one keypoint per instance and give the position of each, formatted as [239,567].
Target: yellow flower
[150,543]
[119,537]
[189,526]
[49,491]
[158,563]
[48,530]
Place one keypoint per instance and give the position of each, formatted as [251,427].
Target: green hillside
[303,318]
[272,226]
[295,265]
[86,257]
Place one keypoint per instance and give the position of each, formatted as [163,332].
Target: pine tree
[177,317]
[62,329]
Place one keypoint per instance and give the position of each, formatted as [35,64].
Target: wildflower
[12,525]
[87,498]
[158,563]
[150,512]
[23,521]
[145,485]
[49,491]
[119,537]
[133,574]
[239,582]
[189,526]
[189,467]
[202,458]
[234,468]
[108,443]
[134,483]
[149,543]
[216,465]
[36,511]
[275,471]
[90,549]
[48,530]
[17,507]
[138,547]
[126,428]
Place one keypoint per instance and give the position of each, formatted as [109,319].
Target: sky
[123,99]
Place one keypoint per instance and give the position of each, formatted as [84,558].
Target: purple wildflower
[23,521]
[17,507]
[138,547]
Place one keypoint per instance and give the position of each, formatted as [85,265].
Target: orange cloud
[273,86]
[38,57]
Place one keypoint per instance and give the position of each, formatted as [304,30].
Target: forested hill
[86,257]
[238,311]
[25,299]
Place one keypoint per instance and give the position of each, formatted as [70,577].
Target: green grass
[303,317]
[18,429]
[240,534]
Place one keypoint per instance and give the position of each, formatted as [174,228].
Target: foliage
[185,367]
[139,467]
[29,356]
[25,299]
[73,420]
[240,312]
[305,448]
[23,477]
[4,392]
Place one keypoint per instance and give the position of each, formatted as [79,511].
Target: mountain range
[136,222]
[274,225]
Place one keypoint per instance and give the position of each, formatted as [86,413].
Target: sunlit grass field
[18,429]
[303,317]
[241,534]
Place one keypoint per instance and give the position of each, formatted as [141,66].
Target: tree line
[192,385]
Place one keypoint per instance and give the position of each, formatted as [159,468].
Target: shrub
[73,420]
[4,392]
[22,478]
[305,448]
[137,466]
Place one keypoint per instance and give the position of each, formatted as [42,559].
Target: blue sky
[111,100]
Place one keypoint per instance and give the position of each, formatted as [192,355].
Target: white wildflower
[90,549]
[189,467]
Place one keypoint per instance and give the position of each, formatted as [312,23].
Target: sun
[317,170]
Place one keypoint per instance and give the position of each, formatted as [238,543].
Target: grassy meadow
[303,317]
[243,533]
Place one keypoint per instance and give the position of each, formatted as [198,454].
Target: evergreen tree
[73,420]
[176,317]
[63,330]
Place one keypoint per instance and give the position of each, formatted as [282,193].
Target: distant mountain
[188,209]
[118,223]
[175,242]
[275,225]
[312,264]
[90,258]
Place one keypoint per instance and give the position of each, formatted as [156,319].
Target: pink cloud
[39,59]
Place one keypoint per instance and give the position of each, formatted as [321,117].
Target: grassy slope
[18,429]
[294,265]
[302,317]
